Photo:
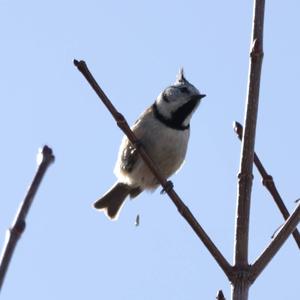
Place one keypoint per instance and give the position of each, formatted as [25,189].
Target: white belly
[166,146]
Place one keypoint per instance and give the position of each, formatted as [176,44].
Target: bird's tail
[113,200]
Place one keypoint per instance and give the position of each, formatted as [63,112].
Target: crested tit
[163,130]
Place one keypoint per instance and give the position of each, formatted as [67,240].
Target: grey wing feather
[129,157]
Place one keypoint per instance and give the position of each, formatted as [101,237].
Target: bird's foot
[169,186]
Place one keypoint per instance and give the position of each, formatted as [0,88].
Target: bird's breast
[166,146]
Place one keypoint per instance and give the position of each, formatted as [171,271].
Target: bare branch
[240,282]
[268,182]
[220,295]
[14,233]
[247,151]
[288,227]
[167,185]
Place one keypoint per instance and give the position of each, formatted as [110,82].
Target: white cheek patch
[164,108]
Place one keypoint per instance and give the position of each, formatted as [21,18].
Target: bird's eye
[184,90]
[165,98]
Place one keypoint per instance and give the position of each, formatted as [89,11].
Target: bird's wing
[129,157]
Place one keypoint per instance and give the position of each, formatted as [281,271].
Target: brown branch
[248,140]
[220,295]
[269,183]
[288,227]
[241,282]
[167,185]
[19,224]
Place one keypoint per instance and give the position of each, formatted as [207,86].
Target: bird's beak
[199,97]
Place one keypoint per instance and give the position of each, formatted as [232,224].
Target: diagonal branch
[167,185]
[268,182]
[288,227]
[18,227]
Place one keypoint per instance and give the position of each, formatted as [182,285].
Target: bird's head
[178,102]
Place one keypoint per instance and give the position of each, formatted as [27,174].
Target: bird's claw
[168,188]
[137,144]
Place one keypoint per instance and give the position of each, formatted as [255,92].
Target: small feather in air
[137,221]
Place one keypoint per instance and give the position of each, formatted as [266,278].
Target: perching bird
[163,130]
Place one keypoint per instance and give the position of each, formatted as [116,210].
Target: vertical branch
[248,141]
[14,233]
[240,288]
[241,283]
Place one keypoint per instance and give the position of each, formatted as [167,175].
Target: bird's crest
[180,76]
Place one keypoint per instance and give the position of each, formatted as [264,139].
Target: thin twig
[241,283]
[288,227]
[269,183]
[220,295]
[14,233]
[167,185]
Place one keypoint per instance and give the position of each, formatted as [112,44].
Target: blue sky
[134,49]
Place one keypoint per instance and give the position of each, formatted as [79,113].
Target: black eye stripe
[184,90]
[168,122]
[165,98]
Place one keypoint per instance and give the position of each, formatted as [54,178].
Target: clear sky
[134,49]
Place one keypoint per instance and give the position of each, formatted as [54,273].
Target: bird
[163,130]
